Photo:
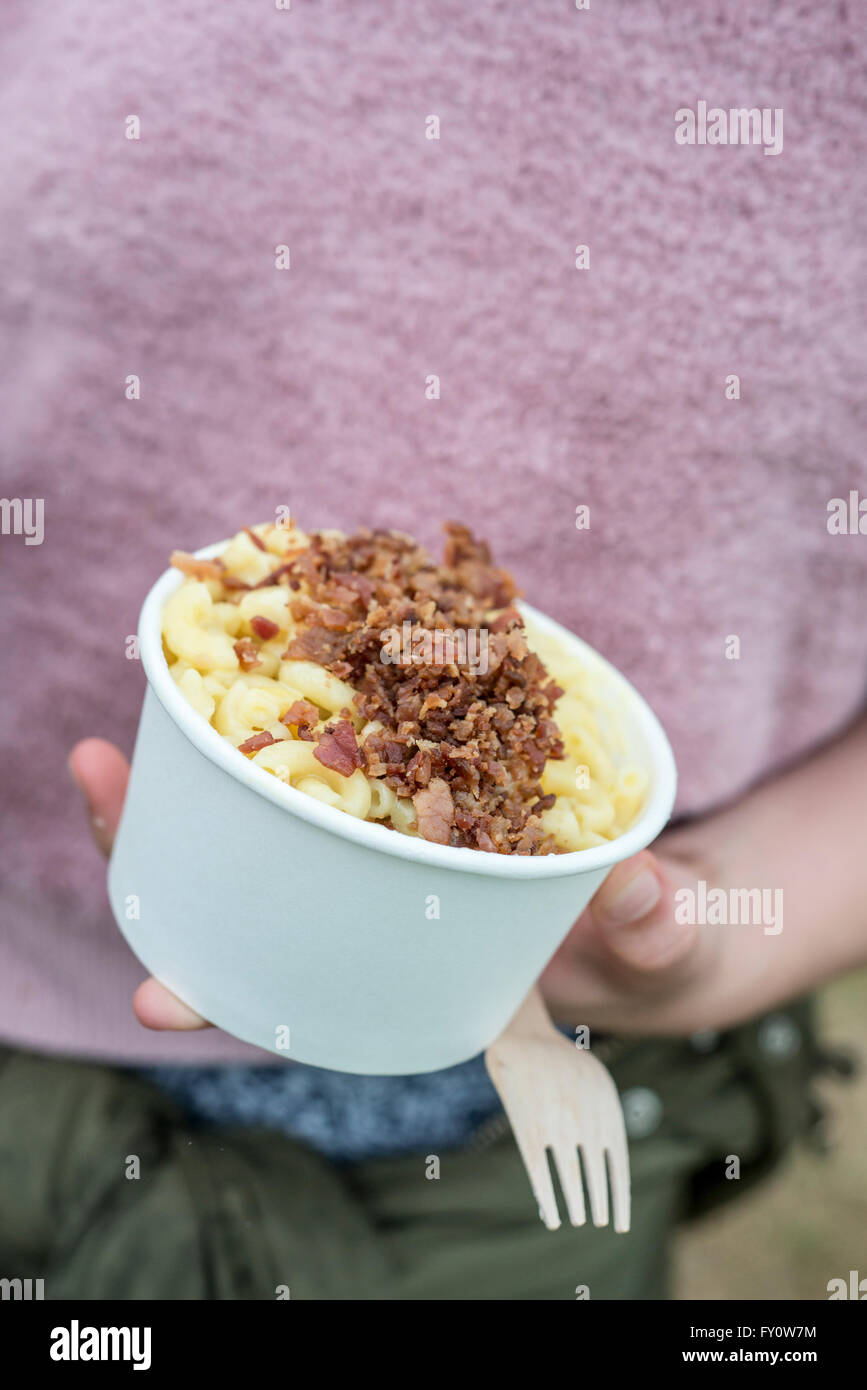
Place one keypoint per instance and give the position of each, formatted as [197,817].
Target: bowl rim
[370,835]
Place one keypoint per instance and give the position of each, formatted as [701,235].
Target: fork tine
[618,1167]
[596,1175]
[536,1164]
[569,1172]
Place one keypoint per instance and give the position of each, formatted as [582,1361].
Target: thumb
[633,916]
[101,772]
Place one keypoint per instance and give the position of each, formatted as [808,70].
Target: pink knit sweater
[413,257]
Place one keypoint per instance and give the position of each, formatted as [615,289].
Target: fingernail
[629,903]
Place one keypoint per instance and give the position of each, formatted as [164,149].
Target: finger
[156,1007]
[633,916]
[101,772]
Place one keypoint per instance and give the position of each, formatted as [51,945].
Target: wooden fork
[559,1097]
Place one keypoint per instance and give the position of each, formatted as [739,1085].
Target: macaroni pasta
[206,626]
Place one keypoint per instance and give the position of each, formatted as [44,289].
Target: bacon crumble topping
[257,741]
[195,568]
[247,653]
[338,749]
[466,742]
[466,739]
[264,627]
[304,716]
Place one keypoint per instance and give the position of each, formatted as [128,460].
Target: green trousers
[106,1192]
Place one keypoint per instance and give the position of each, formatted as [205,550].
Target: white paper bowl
[275,915]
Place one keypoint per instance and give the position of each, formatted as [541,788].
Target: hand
[628,965]
[102,773]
